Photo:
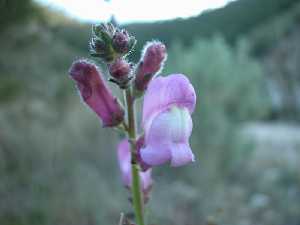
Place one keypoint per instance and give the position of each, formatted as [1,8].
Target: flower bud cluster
[112,45]
[109,43]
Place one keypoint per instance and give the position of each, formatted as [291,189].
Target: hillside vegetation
[233,21]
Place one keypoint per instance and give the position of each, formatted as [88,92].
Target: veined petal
[163,92]
[166,138]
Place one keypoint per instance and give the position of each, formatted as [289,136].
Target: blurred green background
[58,166]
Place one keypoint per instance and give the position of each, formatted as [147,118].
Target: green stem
[135,187]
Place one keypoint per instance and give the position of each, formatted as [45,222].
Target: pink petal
[164,92]
[166,138]
[124,162]
[124,158]
[156,155]
[146,179]
[181,154]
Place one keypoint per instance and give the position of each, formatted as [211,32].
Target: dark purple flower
[95,93]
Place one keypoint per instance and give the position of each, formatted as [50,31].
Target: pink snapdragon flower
[168,105]
[124,157]
[95,93]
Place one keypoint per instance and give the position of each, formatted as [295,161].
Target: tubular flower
[95,93]
[124,157]
[168,105]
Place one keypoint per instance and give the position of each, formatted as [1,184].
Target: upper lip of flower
[185,97]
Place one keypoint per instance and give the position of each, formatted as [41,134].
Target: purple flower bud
[168,105]
[154,55]
[124,158]
[119,69]
[95,93]
[121,41]
[108,42]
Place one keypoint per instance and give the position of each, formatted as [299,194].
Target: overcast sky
[132,10]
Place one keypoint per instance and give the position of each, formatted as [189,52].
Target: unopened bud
[120,70]
[95,93]
[154,55]
[122,42]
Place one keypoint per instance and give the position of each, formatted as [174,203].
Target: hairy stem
[135,187]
